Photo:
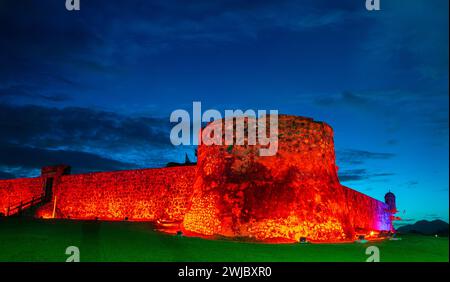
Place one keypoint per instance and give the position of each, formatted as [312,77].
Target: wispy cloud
[88,139]
[24,158]
[28,93]
[423,111]
[360,174]
[357,157]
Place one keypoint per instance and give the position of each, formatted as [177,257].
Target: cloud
[382,100]
[25,158]
[136,29]
[346,98]
[425,110]
[15,92]
[418,48]
[412,184]
[352,157]
[356,157]
[352,175]
[88,139]
[78,127]
[409,219]
[432,216]
[359,174]
[392,142]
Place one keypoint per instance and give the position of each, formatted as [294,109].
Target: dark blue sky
[95,88]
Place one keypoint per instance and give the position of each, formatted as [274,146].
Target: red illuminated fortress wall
[233,191]
[294,194]
[13,191]
[145,194]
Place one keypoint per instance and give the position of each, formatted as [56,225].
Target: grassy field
[34,240]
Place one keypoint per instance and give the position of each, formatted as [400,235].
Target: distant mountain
[426,227]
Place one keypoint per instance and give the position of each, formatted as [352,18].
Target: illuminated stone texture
[13,191]
[231,192]
[145,194]
[294,194]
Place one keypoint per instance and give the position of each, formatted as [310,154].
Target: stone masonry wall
[294,194]
[13,191]
[144,194]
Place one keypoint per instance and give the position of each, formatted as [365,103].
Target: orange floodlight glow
[231,192]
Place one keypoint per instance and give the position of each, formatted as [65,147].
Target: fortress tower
[389,199]
[294,194]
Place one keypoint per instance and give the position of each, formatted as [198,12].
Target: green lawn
[45,240]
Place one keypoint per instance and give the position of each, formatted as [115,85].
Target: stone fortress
[230,192]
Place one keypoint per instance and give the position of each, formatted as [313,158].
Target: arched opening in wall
[48,189]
